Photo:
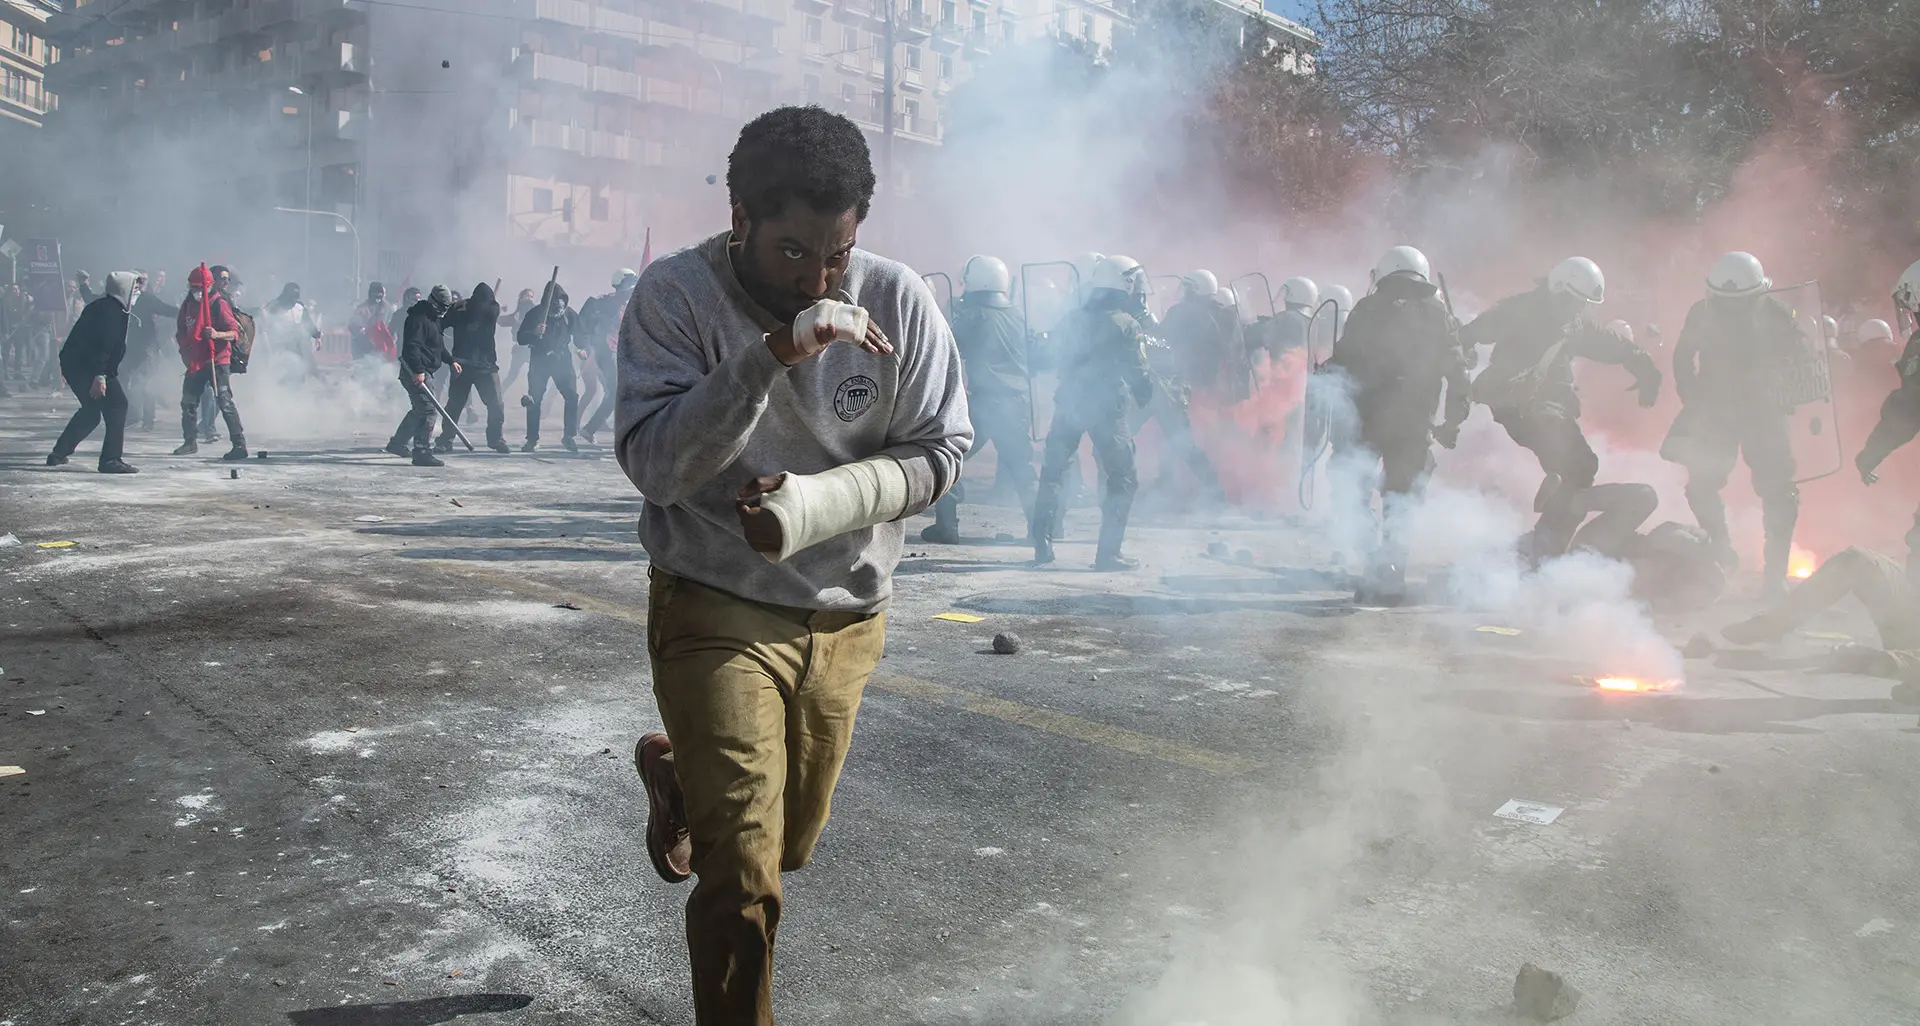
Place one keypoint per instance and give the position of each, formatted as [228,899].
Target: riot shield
[1803,381]
[1159,301]
[1317,405]
[945,279]
[1048,291]
[1254,324]
[1265,293]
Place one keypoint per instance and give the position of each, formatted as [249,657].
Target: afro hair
[805,153]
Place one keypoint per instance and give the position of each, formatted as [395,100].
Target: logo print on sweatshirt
[855,396]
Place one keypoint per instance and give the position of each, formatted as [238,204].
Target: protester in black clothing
[422,352]
[90,363]
[476,365]
[397,322]
[600,324]
[548,331]
[153,319]
[511,319]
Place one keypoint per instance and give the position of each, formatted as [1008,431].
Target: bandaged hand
[821,325]
[786,513]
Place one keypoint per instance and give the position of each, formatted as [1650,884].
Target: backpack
[243,339]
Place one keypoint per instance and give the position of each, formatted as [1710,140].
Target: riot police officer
[1735,348]
[1401,348]
[993,349]
[1528,384]
[1103,372]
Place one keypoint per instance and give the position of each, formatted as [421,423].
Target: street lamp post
[306,237]
[343,219]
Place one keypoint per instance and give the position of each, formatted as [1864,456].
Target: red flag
[203,324]
[646,252]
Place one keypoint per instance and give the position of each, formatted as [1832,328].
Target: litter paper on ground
[1537,813]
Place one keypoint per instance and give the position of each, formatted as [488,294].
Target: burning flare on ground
[1801,564]
[1633,684]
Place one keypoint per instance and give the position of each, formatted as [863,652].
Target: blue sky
[1299,10]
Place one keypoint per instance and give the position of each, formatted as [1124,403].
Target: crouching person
[786,400]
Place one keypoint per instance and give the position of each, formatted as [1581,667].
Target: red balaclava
[202,279]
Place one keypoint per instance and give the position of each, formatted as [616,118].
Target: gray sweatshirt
[705,407]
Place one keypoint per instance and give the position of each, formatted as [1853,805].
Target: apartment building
[25,52]
[881,61]
[427,137]
[385,140]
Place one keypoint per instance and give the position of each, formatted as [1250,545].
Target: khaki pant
[759,701]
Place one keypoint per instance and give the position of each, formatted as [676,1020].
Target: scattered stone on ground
[1543,995]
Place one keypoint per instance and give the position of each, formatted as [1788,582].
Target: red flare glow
[1632,684]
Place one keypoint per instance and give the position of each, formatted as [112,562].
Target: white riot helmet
[985,274]
[1202,284]
[1118,273]
[1085,263]
[1227,297]
[1578,276]
[624,277]
[1737,274]
[1829,328]
[1342,297]
[1875,331]
[1906,291]
[1299,292]
[1402,260]
[1621,330]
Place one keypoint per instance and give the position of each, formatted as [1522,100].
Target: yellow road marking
[1033,717]
[1119,738]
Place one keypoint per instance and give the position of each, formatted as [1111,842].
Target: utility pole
[886,101]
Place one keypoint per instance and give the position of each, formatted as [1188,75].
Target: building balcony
[773,11]
[620,24]
[913,25]
[812,6]
[663,92]
[614,81]
[263,18]
[860,10]
[948,36]
[548,135]
[16,103]
[545,67]
[611,146]
[565,12]
[981,41]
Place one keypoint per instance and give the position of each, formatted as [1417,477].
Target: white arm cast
[812,508]
[849,322]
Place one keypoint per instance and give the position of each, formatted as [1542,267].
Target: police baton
[444,419]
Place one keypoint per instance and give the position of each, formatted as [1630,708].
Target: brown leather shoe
[668,844]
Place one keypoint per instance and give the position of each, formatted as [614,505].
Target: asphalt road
[283,765]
